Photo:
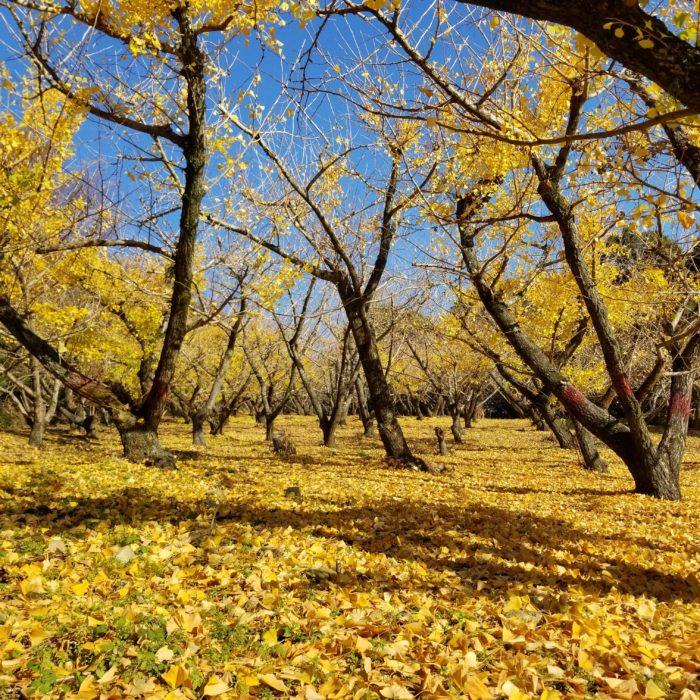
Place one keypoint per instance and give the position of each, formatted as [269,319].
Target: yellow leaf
[88,690]
[550,694]
[652,691]
[584,660]
[215,686]
[32,585]
[80,589]
[271,680]
[362,645]
[270,637]
[164,654]
[513,692]
[311,694]
[176,676]
[108,675]
[396,692]
[507,635]
[474,687]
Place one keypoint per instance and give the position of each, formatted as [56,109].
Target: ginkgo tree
[155,91]
[334,210]
[563,189]
[509,128]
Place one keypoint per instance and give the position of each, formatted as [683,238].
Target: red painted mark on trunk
[680,405]
[622,385]
[574,396]
[161,389]
[78,381]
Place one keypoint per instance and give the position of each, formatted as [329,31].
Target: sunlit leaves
[517,574]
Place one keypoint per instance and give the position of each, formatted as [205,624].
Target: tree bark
[556,424]
[381,394]
[672,63]
[201,416]
[36,436]
[456,426]
[592,461]
[142,445]
[270,425]
[472,409]
[195,153]
[364,410]
[442,445]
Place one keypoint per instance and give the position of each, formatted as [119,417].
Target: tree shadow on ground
[513,549]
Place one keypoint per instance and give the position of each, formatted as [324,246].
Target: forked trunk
[364,411]
[474,409]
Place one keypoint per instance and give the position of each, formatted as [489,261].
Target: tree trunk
[269,426]
[592,461]
[442,445]
[472,409]
[200,417]
[36,436]
[195,153]
[456,426]
[418,410]
[380,392]
[198,420]
[328,427]
[89,425]
[141,445]
[556,425]
[364,411]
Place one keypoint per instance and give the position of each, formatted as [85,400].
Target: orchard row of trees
[382,206]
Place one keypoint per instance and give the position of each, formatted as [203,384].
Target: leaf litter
[515,574]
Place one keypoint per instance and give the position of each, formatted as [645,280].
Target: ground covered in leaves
[514,575]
